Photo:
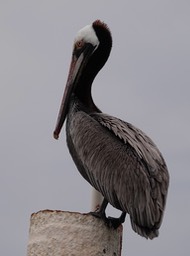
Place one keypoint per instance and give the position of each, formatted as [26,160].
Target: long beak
[75,71]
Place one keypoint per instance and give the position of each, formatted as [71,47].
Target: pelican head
[92,46]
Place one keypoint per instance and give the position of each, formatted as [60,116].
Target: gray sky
[145,82]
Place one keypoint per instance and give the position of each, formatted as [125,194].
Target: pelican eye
[79,44]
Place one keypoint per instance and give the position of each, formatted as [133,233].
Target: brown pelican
[115,157]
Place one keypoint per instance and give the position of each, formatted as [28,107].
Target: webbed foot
[116,222]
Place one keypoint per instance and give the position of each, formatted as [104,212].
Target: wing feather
[143,145]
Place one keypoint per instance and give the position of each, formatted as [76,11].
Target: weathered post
[62,233]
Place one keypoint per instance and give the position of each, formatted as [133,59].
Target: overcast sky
[146,82]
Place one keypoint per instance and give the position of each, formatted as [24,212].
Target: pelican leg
[110,221]
[100,213]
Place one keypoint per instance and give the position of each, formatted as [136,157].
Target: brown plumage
[116,158]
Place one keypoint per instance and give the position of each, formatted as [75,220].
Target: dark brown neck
[96,62]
